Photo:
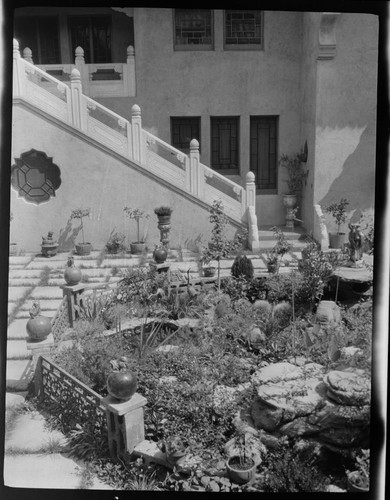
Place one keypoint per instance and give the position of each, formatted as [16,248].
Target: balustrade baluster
[78,113]
[136,133]
[129,72]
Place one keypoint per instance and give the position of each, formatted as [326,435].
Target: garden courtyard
[153,376]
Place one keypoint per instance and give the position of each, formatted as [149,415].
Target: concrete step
[17,349]
[19,373]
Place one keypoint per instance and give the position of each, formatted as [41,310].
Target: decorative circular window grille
[35,176]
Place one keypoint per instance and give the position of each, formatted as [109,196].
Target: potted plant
[115,242]
[49,245]
[13,247]
[272,261]
[173,448]
[163,214]
[83,248]
[295,175]
[338,210]
[241,467]
[137,214]
[359,479]
[220,247]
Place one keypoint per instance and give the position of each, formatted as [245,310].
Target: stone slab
[16,349]
[46,292]
[96,272]
[151,453]
[62,257]
[51,264]
[25,273]
[16,293]
[18,375]
[17,329]
[41,471]
[20,259]
[11,307]
[120,262]
[18,282]
[46,305]
[13,399]
[17,266]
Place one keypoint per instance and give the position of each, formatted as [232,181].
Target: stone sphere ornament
[38,327]
[122,385]
[72,274]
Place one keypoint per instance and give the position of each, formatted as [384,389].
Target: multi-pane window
[224,144]
[40,34]
[183,130]
[263,151]
[93,35]
[193,29]
[243,29]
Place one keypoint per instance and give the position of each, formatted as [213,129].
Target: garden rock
[300,401]
[349,388]
[328,315]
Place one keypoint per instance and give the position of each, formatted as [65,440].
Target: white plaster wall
[346,117]
[220,83]
[92,178]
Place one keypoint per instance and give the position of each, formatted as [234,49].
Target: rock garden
[252,383]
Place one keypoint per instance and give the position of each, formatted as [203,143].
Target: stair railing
[130,140]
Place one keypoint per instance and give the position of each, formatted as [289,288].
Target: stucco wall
[92,178]
[220,83]
[346,116]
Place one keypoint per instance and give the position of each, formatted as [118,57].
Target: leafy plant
[242,266]
[80,213]
[137,214]
[293,165]
[92,306]
[220,247]
[282,245]
[338,210]
[163,210]
[362,478]
[115,242]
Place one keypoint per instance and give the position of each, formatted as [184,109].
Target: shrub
[163,210]
[286,472]
[115,242]
[242,267]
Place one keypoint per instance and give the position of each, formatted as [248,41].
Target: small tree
[79,213]
[220,247]
[293,165]
[339,212]
[137,214]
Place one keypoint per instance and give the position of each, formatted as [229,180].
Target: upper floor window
[193,29]
[183,130]
[93,35]
[224,144]
[41,35]
[243,29]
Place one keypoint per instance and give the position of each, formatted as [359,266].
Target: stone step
[17,330]
[19,373]
[17,349]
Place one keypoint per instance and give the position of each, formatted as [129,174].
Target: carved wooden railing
[131,141]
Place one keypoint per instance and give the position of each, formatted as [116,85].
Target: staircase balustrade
[130,140]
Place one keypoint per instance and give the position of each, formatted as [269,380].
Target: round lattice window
[35,176]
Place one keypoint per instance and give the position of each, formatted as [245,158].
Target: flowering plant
[79,213]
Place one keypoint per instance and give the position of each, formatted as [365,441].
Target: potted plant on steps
[220,247]
[338,210]
[293,164]
[137,214]
[115,243]
[359,479]
[83,248]
[272,261]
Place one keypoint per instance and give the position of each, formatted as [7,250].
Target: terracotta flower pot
[137,248]
[38,328]
[238,473]
[336,240]
[83,248]
[122,385]
[164,219]
[209,272]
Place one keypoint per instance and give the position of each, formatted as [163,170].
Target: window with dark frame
[193,29]
[41,35]
[183,130]
[243,29]
[93,35]
[225,144]
[263,152]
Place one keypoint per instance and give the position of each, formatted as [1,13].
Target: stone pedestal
[161,268]
[73,294]
[38,349]
[125,423]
